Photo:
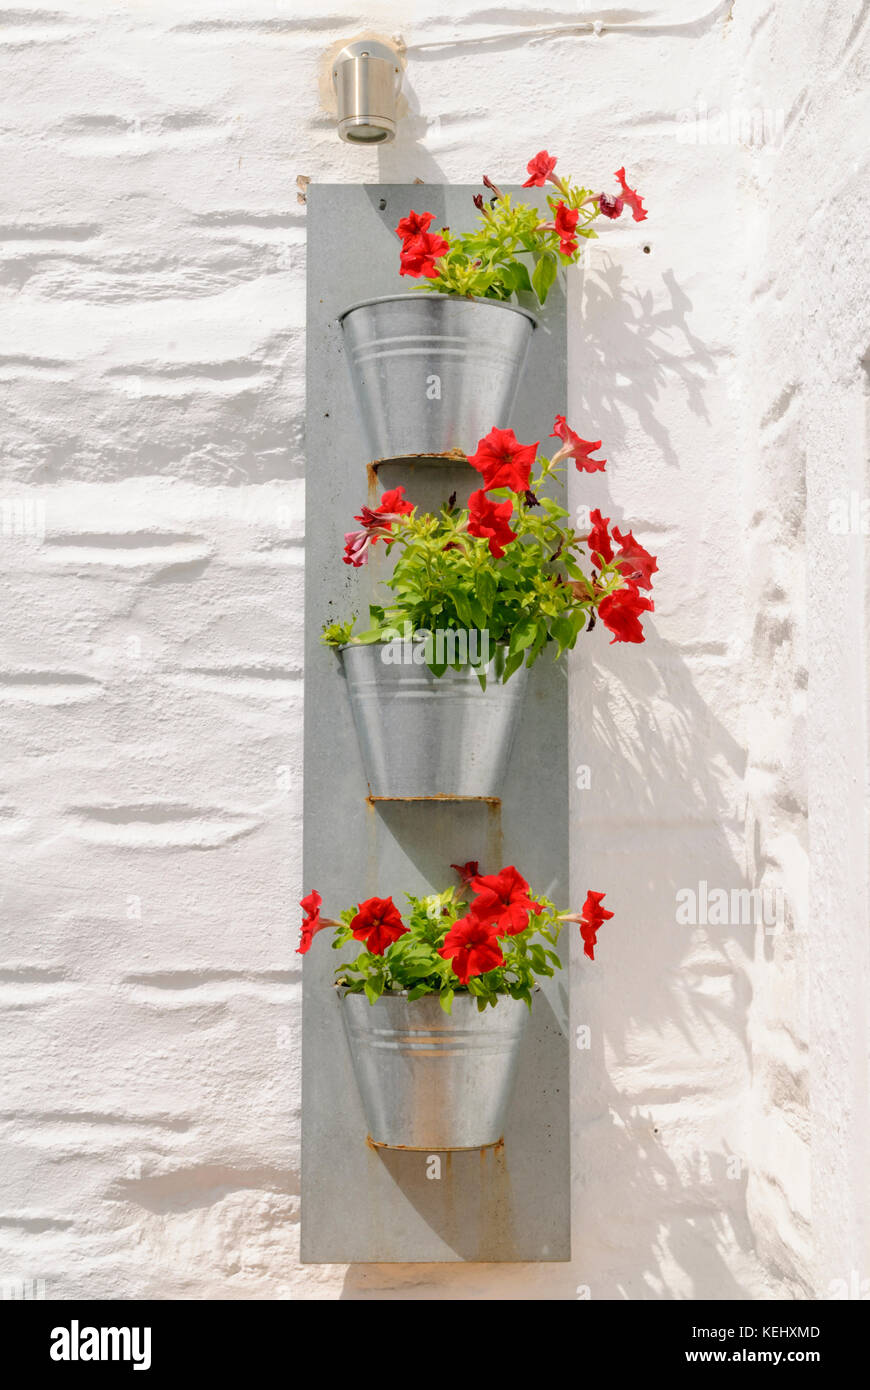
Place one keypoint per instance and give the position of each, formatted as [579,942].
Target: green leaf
[523,635]
[541,636]
[374,989]
[485,587]
[515,276]
[563,630]
[462,604]
[445,999]
[512,664]
[544,274]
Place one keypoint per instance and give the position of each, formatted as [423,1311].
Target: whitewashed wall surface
[152,330]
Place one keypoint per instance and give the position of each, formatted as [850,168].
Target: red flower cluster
[541,171]
[620,611]
[420,247]
[375,523]
[501,907]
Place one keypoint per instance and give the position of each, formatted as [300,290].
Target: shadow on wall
[660,1197]
[633,356]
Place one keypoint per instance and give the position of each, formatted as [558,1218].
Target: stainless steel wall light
[367,75]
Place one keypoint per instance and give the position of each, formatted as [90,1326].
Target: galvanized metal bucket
[422,735]
[432,373]
[430,1080]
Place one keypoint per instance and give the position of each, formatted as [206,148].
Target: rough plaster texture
[152,277]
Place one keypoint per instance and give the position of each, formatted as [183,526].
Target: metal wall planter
[422,735]
[365,1201]
[432,374]
[430,1080]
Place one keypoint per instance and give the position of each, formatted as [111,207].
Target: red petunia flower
[576,448]
[467,871]
[592,917]
[376,523]
[414,224]
[472,948]
[378,924]
[503,901]
[611,207]
[311,924]
[356,548]
[566,225]
[419,254]
[541,170]
[634,200]
[491,520]
[394,501]
[635,564]
[598,539]
[503,461]
[620,612]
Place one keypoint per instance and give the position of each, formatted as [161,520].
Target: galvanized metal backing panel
[361,1204]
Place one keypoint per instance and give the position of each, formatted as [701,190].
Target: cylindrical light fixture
[366,76]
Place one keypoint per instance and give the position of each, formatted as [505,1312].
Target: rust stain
[371,821]
[497,1224]
[433,1149]
[494,802]
[450,456]
[495,837]
[372,481]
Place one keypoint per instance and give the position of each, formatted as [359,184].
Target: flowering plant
[488,937]
[506,565]
[486,262]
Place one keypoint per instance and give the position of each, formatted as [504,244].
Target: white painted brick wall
[152,371]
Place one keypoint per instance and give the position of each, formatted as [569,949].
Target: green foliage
[338,634]
[512,250]
[446,580]
[412,963]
